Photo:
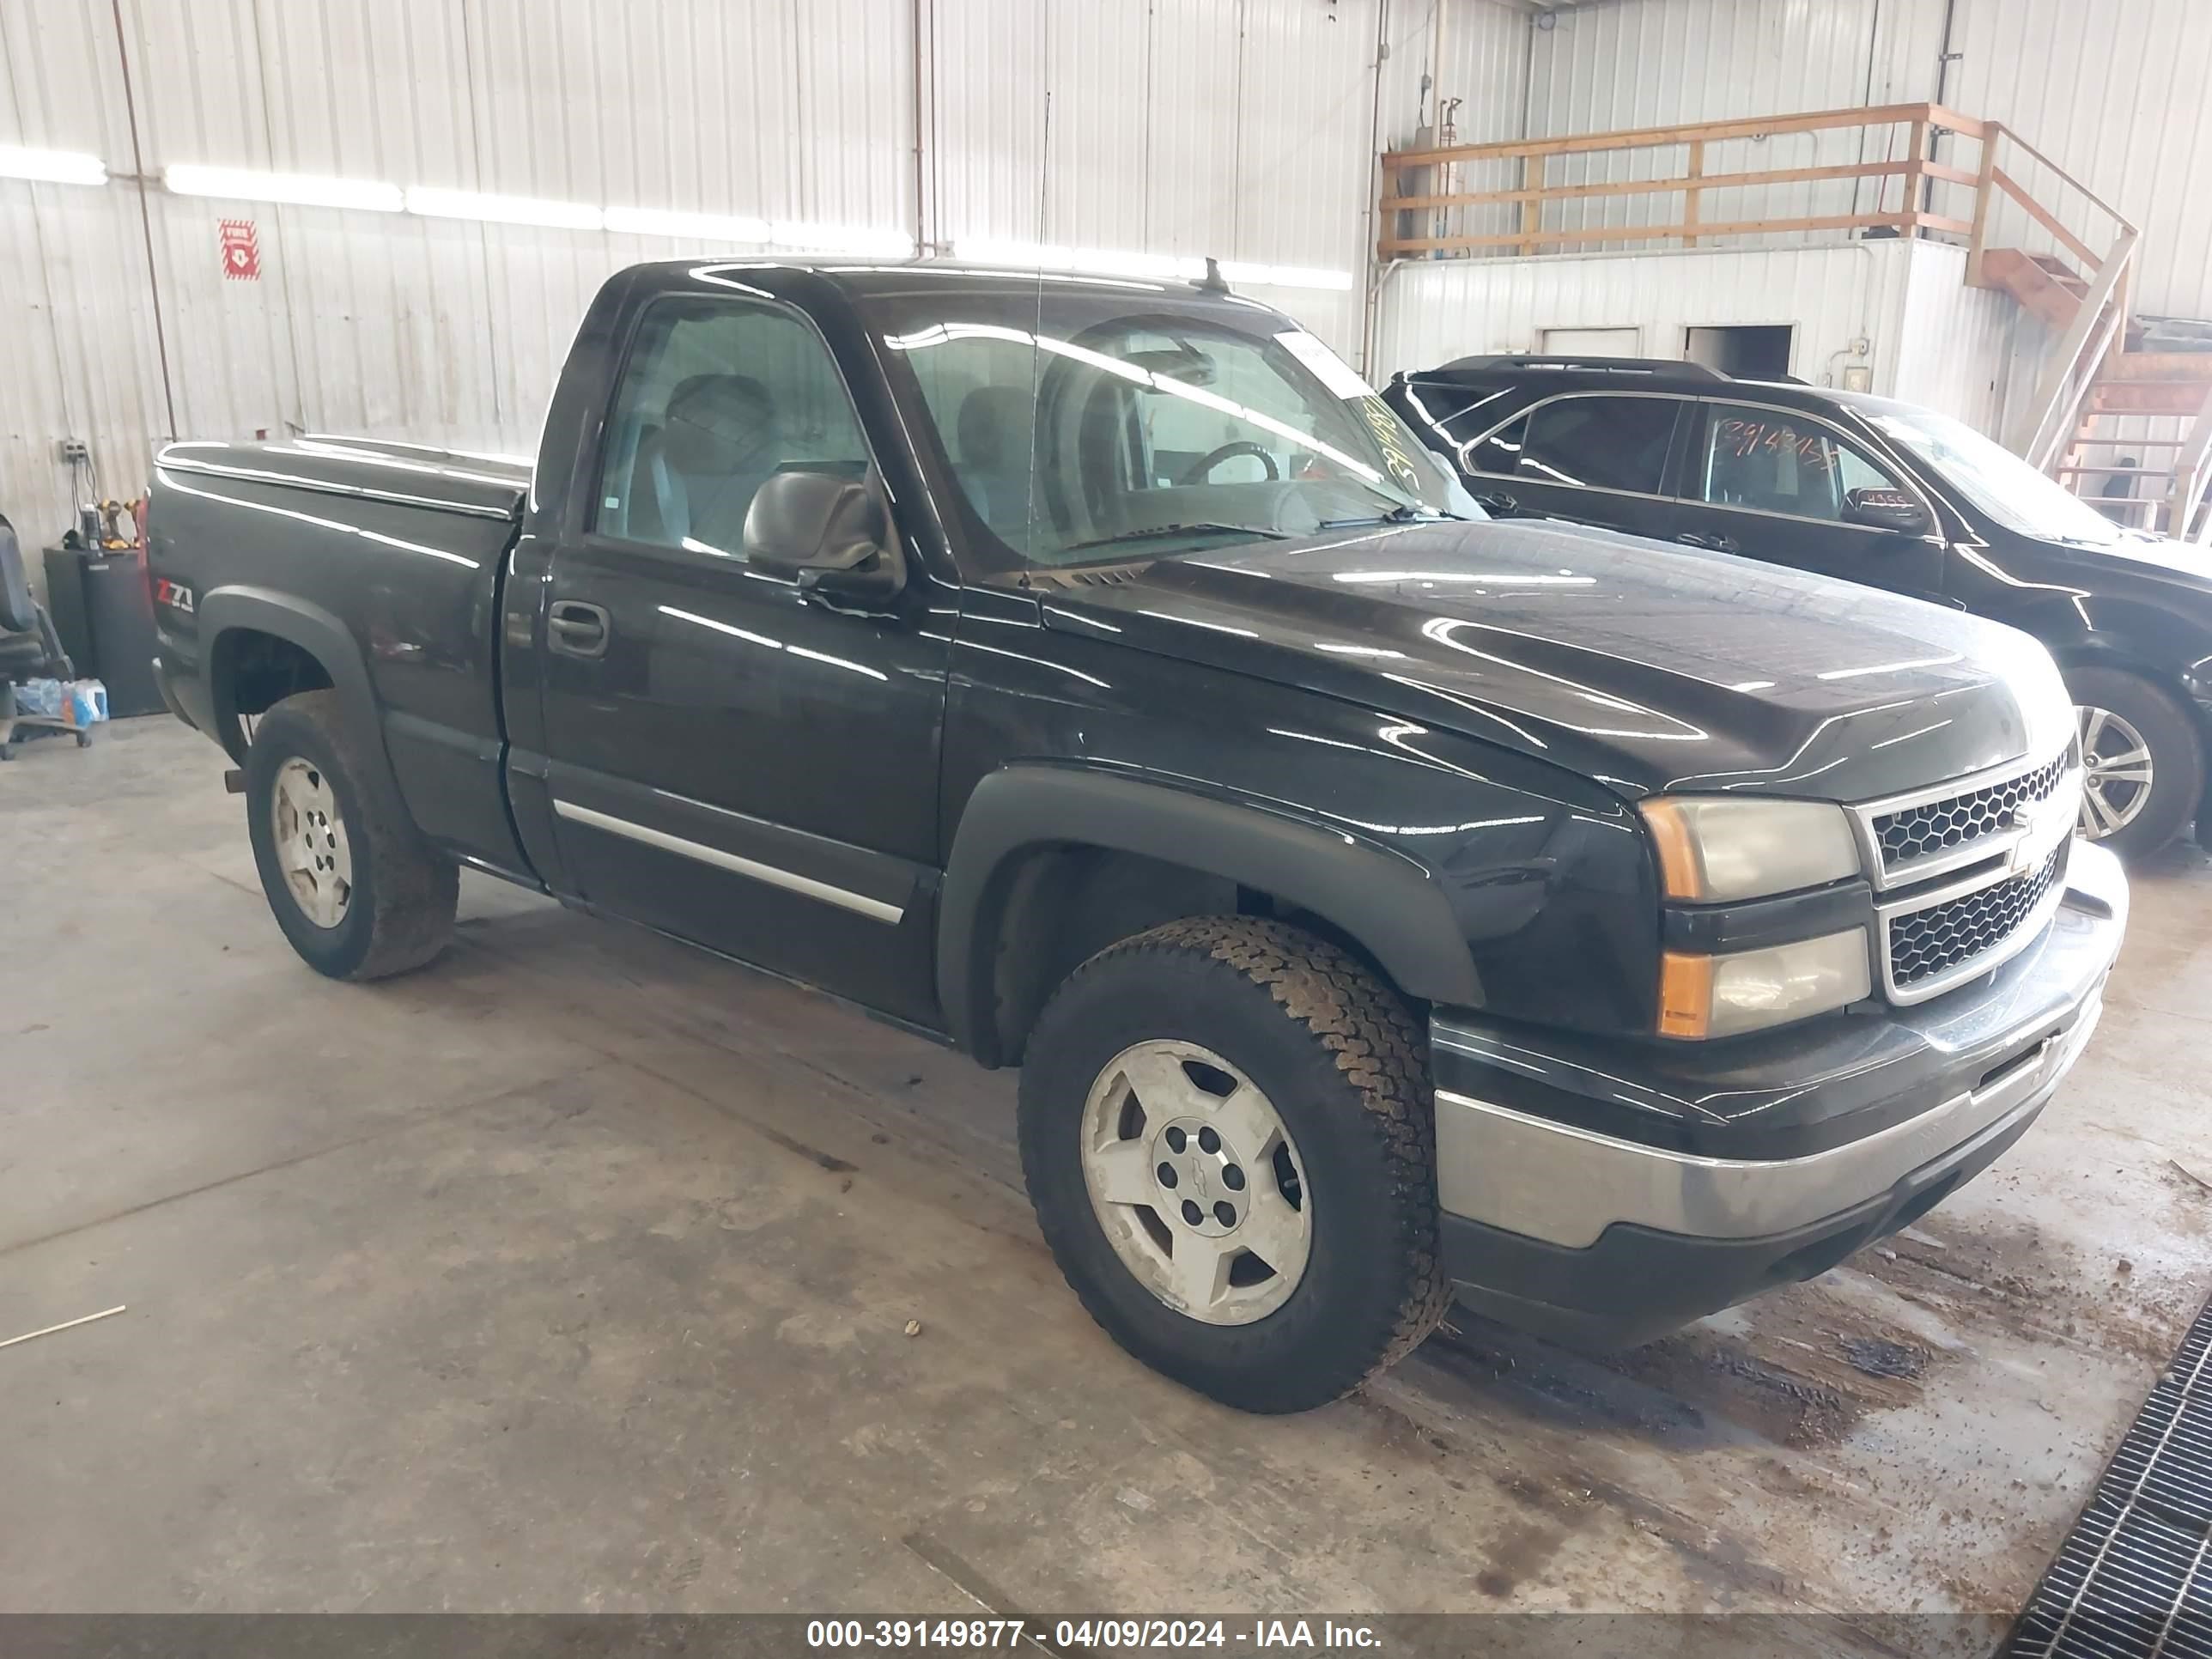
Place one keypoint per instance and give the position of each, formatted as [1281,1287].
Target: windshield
[1082,427]
[1995,479]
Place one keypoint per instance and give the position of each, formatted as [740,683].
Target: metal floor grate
[2135,1576]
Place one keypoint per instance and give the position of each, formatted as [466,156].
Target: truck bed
[388,556]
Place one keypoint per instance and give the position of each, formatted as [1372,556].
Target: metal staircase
[2142,446]
[2129,429]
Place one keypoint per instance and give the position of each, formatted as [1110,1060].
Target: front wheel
[352,886]
[2143,767]
[1226,1131]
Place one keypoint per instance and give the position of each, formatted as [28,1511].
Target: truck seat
[716,446]
[993,430]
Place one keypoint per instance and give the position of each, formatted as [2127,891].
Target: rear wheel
[352,886]
[1226,1131]
[2143,768]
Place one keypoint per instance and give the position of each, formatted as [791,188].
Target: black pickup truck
[1380,901]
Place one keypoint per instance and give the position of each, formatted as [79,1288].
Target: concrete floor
[573,1272]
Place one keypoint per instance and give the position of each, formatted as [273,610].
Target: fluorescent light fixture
[869,240]
[1107,262]
[502,210]
[860,240]
[1284,276]
[686,227]
[1165,267]
[1090,261]
[1026,256]
[51,167]
[241,184]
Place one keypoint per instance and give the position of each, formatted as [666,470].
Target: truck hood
[1645,664]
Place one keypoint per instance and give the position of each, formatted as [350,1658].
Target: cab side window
[1598,443]
[1766,460]
[717,397]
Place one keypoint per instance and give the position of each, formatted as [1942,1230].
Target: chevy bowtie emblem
[2037,820]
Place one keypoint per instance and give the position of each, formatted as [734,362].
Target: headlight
[1713,848]
[1702,996]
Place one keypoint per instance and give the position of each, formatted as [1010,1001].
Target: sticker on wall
[241,250]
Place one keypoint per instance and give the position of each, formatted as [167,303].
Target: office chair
[29,648]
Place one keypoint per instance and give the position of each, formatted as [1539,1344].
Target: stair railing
[2192,476]
[2047,425]
[2013,170]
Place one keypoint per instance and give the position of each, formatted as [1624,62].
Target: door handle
[578,629]
[1498,501]
[1715,543]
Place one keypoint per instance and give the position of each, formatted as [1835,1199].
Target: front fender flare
[1381,898]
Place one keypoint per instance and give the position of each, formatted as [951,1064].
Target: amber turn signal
[1686,994]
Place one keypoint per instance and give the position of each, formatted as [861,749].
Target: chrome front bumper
[1571,1173]
[1567,1186]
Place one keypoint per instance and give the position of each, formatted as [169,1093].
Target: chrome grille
[1937,827]
[2135,1576]
[1926,943]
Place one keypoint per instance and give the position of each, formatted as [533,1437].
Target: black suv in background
[1870,490]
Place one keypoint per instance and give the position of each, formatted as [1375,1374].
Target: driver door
[731,760]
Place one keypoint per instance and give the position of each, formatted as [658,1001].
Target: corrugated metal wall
[1441,309]
[1967,351]
[2118,93]
[1241,128]
[1457,73]
[1245,128]
[1659,63]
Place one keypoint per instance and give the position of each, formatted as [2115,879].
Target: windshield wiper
[1403,513]
[1201,527]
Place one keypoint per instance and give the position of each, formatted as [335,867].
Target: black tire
[2177,756]
[1346,1067]
[401,911]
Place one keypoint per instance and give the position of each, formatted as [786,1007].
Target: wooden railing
[2044,428]
[1530,191]
[1469,200]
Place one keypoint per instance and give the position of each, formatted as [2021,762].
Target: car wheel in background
[2143,767]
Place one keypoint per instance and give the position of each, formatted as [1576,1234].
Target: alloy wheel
[310,842]
[1196,1182]
[2116,773]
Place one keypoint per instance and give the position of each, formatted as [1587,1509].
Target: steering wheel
[1199,470]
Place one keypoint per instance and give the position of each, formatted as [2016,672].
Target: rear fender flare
[1388,903]
[322,636]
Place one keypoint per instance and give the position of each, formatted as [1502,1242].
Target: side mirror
[830,531]
[1887,509]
